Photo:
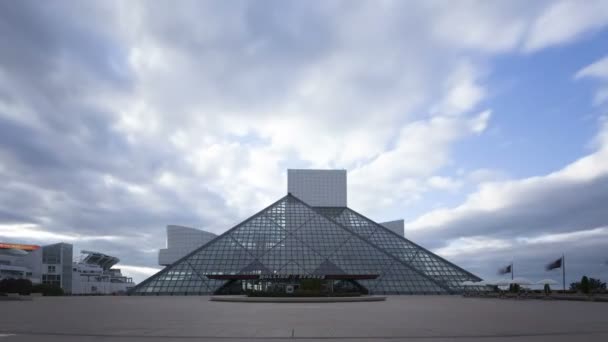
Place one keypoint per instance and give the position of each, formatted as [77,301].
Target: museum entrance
[292,285]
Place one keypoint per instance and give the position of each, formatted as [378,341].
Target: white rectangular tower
[397,226]
[318,188]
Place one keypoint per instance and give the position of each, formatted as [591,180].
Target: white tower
[318,188]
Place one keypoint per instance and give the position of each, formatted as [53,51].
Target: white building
[181,241]
[54,265]
[318,188]
[397,226]
[18,260]
[93,274]
[51,264]
[326,188]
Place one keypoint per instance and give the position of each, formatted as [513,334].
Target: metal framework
[291,238]
[102,260]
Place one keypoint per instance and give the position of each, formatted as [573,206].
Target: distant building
[18,261]
[50,264]
[397,226]
[318,188]
[54,265]
[93,274]
[181,241]
[57,265]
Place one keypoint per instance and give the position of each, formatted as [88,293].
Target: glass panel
[424,261]
[259,235]
[322,235]
[291,238]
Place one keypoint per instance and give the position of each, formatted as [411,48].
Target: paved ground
[411,318]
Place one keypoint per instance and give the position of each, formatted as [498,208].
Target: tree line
[588,285]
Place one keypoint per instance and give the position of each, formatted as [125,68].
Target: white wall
[397,226]
[318,188]
[181,241]
[81,285]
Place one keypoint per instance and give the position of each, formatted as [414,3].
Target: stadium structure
[92,274]
[95,274]
[309,233]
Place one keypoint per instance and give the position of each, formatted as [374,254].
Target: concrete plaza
[411,318]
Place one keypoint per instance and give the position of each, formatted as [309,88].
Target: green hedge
[20,286]
[47,290]
[25,287]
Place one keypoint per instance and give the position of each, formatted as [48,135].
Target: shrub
[313,285]
[596,285]
[47,290]
[20,286]
[585,287]
[591,285]
[515,288]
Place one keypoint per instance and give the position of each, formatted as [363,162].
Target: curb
[245,299]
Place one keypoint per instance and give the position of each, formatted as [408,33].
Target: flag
[506,269]
[556,264]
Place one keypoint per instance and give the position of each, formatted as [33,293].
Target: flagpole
[564,272]
[512,270]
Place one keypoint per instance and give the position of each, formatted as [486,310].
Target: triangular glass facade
[290,237]
[403,249]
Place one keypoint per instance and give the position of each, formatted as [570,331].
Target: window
[51,254]
[51,279]
[51,269]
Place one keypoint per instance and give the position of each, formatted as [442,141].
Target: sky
[483,124]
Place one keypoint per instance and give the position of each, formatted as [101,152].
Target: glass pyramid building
[292,238]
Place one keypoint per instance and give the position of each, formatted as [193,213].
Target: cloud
[486,175]
[473,246]
[34,232]
[118,118]
[597,70]
[583,251]
[480,245]
[568,237]
[462,91]
[567,200]
[444,183]
[421,149]
[531,220]
[479,25]
[338,106]
[565,21]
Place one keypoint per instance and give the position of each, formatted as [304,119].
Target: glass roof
[290,237]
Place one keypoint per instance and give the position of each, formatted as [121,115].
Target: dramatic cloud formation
[118,118]
[572,198]
[566,208]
